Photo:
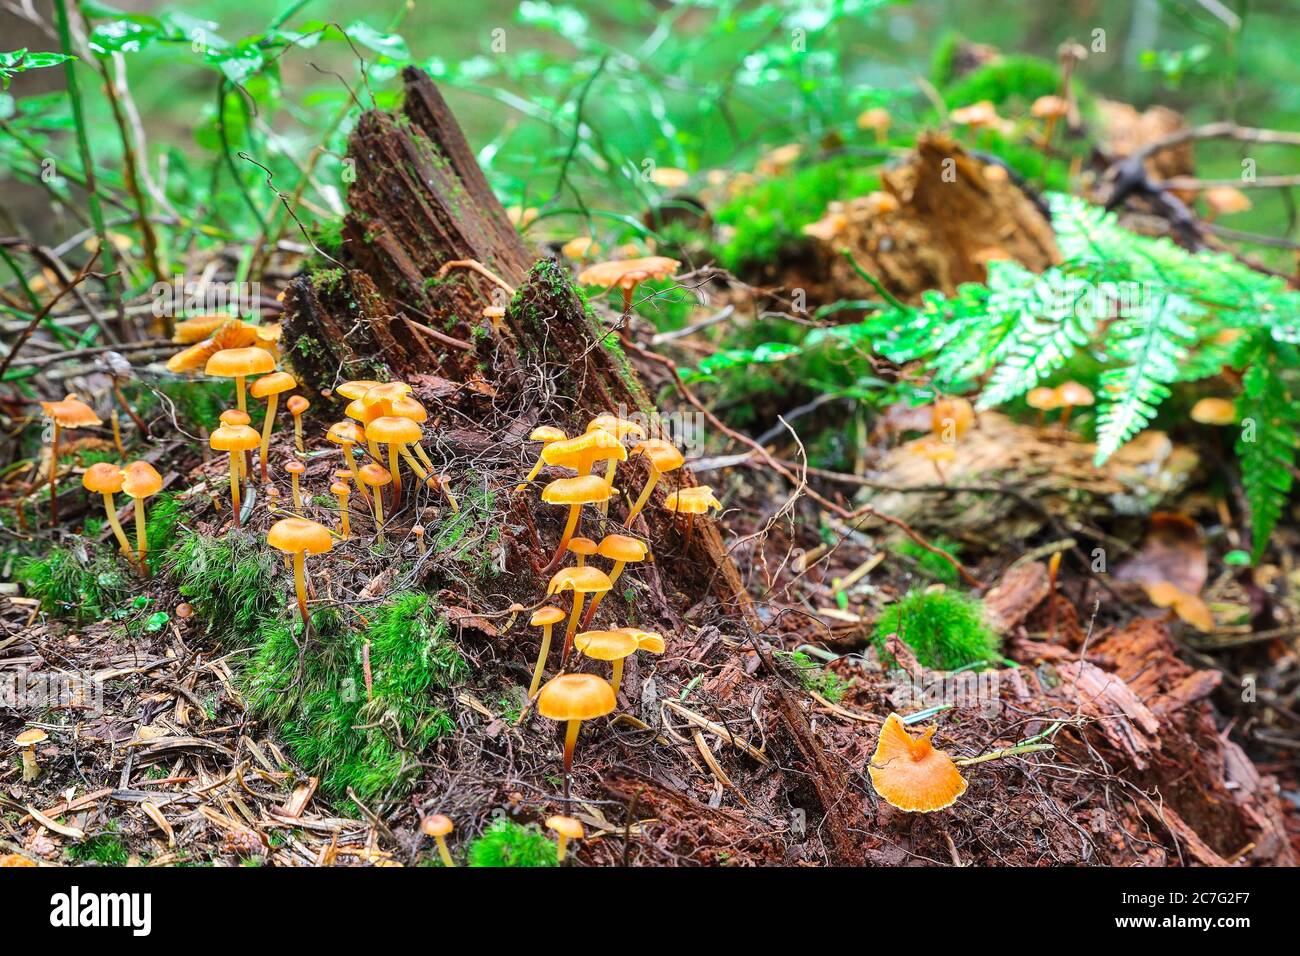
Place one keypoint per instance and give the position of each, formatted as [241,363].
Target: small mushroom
[347,435]
[299,537]
[581,581]
[910,774]
[620,428]
[582,453]
[544,434]
[574,698]
[239,364]
[622,550]
[423,545]
[140,480]
[297,406]
[29,740]
[951,418]
[295,468]
[936,452]
[1050,109]
[442,483]
[627,274]
[878,121]
[233,416]
[565,829]
[235,439]
[1214,411]
[1043,399]
[976,115]
[691,502]
[396,433]
[70,413]
[439,827]
[649,641]
[104,478]
[612,646]
[375,477]
[662,457]
[583,548]
[580,248]
[341,490]
[1225,201]
[1071,395]
[270,387]
[574,492]
[545,618]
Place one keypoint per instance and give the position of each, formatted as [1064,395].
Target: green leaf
[20,61]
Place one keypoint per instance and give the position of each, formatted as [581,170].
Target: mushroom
[227,334]
[28,740]
[234,439]
[359,412]
[269,387]
[582,452]
[1186,606]
[662,457]
[104,478]
[581,581]
[545,618]
[297,405]
[347,435]
[612,646]
[376,476]
[627,274]
[409,408]
[356,388]
[910,774]
[620,549]
[574,698]
[976,115]
[233,416]
[1071,395]
[295,468]
[877,120]
[1214,411]
[239,364]
[442,483]
[70,413]
[649,641]
[439,827]
[935,452]
[141,480]
[692,502]
[544,434]
[298,537]
[1225,201]
[580,247]
[1043,399]
[342,490]
[574,492]
[565,829]
[620,428]
[951,417]
[396,433]
[583,548]
[1049,109]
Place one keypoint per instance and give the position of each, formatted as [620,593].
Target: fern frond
[1269,414]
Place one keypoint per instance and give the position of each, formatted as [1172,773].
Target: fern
[1269,413]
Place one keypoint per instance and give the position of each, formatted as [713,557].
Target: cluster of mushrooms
[440,826]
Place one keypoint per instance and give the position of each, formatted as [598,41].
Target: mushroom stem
[297,434]
[578,599]
[117,434]
[561,846]
[141,538]
[616,676]
[234,485]
[54,476]
[297,495]
[1065,415]
[444,852]
[344,515]
[31,769]
[374,449]
[351,459]
[397,475]
[541,661]
[239,394]
[410,460]
[644,497]
[690,531]
[614,572]
[609,480]
[569,527]
[110,510]
[422,455]
[570,742]
[537,470]
[271,401]
[300,585]
[378,502]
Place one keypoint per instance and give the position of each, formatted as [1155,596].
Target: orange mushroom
[574,492]
[582,453]
[295,469]
[140,480]
[691,502]
[396,433]
[546,618]
[239,364]
[297,405]
[951,417]
[1071,395]
[935,452]
[70,413]
[910,774]
[341,489]
[565,829]
[622,550]
[583,548]
[878,121]
[104,478]
[439,827]
[376,476]
[581,581]
[612,646]
[298,537]
[620,428]
[627,274]
[662,457]
[269,387]
[1214,411]
[574,698]
[235,439]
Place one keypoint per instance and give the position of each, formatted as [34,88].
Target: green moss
[947,630]
[105,848]
[230,581]
[75,582]
[161,523]
[506,843]
[813,676]
[195,403]
[929,562]
[1010,81]
[770,217]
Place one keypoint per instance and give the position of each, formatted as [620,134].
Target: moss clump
[947,630]
[506,843]
[1010,80]
[73,582]
[771,216]
[930,563]
[162,522]
[194,403]
[230,581]
[813,676]
[105,849]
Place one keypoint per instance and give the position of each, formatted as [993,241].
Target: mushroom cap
[363,413]
[933,449]
[576,697]
[104,478]
[567,827]
[31,737]
[550,614]
[584,450]
[583,546]
[957,410]
[234,438]
[236,363]
[294,535]
[663,455]
[983,113]
[606,645]
[387,392]
[436,825]
[294,467]
[408,408]
[1073,394]
[1225,200]
[584,580]
[141,479]
[670,177]
[1192,610]
[199,327]
[234,416]
[876,118]
[583,490]
[345,433]
[1214,411]
[692,501]
[910,774]
[628,273]
[72,412]
[618,427]
[374,475]
[355,389]
[580,247]
[297,404]
[340,489]
[651,642]
[272,384]
[390,428]
[620,547]
[230,334]
[546,434]
[1042,398]
[1049,105]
